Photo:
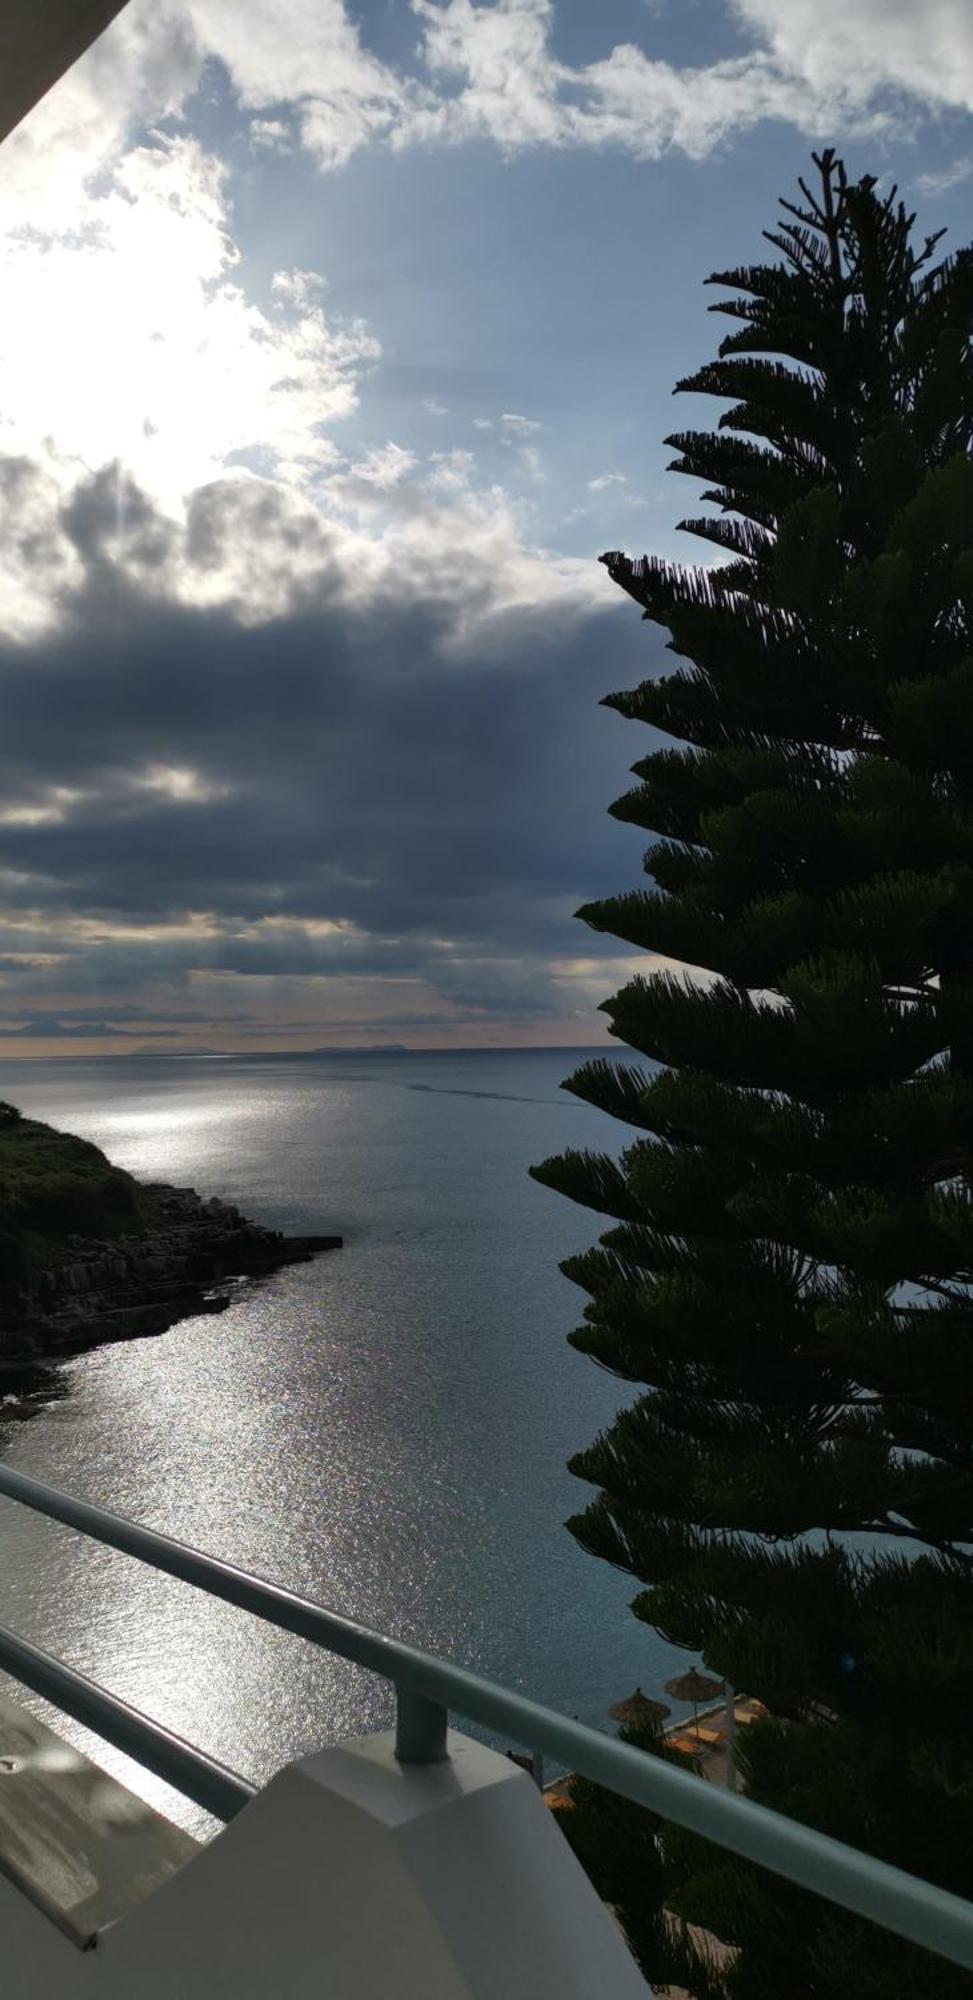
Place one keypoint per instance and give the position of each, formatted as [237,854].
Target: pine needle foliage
[619,1847]
[787,1277]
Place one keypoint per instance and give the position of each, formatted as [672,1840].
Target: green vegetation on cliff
[54,1186]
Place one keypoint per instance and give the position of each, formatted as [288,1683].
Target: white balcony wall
[352,1877]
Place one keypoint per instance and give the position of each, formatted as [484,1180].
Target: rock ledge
[118,1289]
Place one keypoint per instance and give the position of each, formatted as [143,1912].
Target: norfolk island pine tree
[788,1280]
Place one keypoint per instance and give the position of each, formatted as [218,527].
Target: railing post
[905,1905]
[420,1728]
[731,1738]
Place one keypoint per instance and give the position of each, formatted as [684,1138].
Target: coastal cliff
[89,1254]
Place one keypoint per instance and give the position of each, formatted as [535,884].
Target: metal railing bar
[904,1904]
[199,1777]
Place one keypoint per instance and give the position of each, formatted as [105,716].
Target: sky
[338,341]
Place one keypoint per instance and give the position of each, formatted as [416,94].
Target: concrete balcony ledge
[75,1843]
[350,1876]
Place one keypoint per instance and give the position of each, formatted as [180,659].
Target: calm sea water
[384,1429]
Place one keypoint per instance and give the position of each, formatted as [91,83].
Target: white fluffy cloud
[851,49]
[824,68]
[175,375]
[307,53]
[487,69]
[128,337]
[140,71]
[126,334]
[170,367]
[158,423]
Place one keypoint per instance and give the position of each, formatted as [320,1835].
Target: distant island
[89,1254]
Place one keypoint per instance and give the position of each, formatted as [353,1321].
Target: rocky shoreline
[131,1286]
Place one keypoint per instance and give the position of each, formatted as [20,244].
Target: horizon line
[340,1049]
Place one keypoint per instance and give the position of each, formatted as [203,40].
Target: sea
[384,1429]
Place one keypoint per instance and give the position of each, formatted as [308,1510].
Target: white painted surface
[73,1840]
[352,1877]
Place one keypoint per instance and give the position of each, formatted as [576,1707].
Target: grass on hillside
[52,1186]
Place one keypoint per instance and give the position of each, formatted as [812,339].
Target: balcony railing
[427,1689]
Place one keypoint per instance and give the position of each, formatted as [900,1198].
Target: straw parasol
[639,1710]
[695,1687]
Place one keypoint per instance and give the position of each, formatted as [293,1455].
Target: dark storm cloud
[356,764]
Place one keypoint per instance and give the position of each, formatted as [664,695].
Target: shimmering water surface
[384,1429]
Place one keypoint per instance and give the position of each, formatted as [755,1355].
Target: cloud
[304,75]
[948,177]
[49,1027]
[140,72]
[435,409]
[346,811]
[620,499]
[848,51]
[270,135]
[371,481]
[825,69]
[515,430]
[168,364]
[387,527]
[308,54]
[291,733]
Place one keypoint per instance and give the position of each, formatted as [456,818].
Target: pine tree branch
[819,845]
[944,1291]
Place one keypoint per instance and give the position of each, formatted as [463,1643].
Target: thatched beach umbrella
[638,1710]
[695,1687]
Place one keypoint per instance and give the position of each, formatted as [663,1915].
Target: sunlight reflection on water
[385,1429]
